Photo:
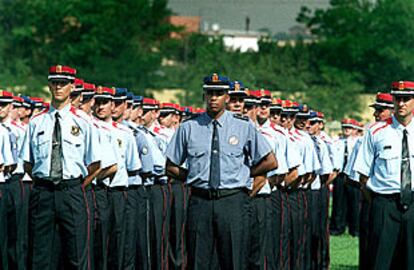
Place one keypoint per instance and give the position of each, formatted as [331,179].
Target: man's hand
[258,183]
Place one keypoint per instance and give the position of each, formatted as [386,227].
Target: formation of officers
[103,179]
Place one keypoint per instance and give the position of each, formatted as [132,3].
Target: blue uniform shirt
[324,160]
[380,156]
[349,168]
[241,145]
[79,146]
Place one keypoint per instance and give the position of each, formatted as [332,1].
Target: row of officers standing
[103,179]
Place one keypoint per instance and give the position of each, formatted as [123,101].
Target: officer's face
[263,111]
[119,109]
[275,116]
[148,117]
[103,108]
[404,105]
[167,120]
[5,109]
[60,90]
[301,123]
[134,114]
[287,120]
[313,127]
[347,131]
[381,114]
[86,105]
[216,100]
[236,104]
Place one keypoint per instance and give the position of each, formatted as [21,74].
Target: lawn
[344,252]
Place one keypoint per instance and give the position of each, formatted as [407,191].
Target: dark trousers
[3,227]
[143,238]
[315,229]
[297,228]
[63,211]
[364,233]
[259,231]
[353,194]
[307,235]
[101,231]
[159,229]
[131,211]
[278,243]
[24,224]
[339,205]
[324,226]
[177,248]
[15,236]
[391,243]
[217,225]
[117,227]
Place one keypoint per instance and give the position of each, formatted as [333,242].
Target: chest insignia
[119,143]
[75,131]
[233,140]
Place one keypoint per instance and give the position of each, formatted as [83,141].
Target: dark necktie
[214,179]
[405,172]
[317,147]
[56,171]
[345,154]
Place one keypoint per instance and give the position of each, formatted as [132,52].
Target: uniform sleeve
[280,151]
[25,153]
[133,163]
[145,153]
[365,157]
[258,147]
[107,154]
[92,145]
[351,160]
[326,163]
[177,148]
[292,154]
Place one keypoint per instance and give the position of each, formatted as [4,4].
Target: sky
[275,15]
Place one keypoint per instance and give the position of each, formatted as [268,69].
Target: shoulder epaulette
[191,117]
[40,113]
[77,113]
[142,128]
[385,124]
[241,117]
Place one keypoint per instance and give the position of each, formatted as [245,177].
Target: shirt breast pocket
[389,164]
[41,148]
[233,159]
[197,161]
[73,148]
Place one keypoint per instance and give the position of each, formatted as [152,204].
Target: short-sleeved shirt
[241,146]
[340,144]
[6,157]
[324,160]
[80,145]
[349,168]
[333,151]
[126,152]
[380,156]
[17,131]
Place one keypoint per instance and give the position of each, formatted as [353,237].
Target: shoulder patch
[191,118]
[241,117]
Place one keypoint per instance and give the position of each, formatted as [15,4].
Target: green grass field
[344,252]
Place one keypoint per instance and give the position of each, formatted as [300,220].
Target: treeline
[360,47]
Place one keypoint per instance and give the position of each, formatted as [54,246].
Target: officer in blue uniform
[7,161]
[219,147]
[60,153]
[386,158]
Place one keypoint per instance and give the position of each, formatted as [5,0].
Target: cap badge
[75,131]
[58,69]
[233,140]
[401,85]
[237,86]
[215,77]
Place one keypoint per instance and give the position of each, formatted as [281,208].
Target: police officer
[385,158]
[339,197]
[318,197]
[218,147]
[383,109]
[59,152]
[237,95]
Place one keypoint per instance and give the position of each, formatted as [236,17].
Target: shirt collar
[221,120]
[397,125]
[62,112]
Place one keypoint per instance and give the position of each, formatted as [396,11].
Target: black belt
[120,188]
[100,186]
[15,177]
[63,184]
[135,187]
[211,194]
[353,183]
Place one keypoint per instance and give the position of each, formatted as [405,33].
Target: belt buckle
[213,193]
